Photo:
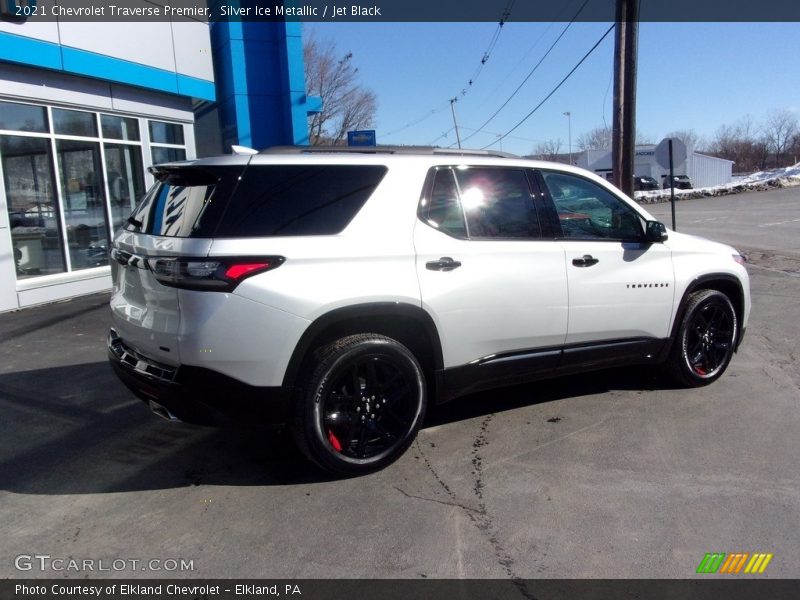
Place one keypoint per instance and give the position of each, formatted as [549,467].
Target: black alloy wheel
[706,339]
[362,404]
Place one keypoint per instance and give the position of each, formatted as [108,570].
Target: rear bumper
[194,394]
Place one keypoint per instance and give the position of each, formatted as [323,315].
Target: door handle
[443,264]
[587,260]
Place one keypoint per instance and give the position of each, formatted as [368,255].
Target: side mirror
[655,232]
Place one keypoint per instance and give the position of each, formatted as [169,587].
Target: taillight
[210,274]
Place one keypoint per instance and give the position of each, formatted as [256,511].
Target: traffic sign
[678,152]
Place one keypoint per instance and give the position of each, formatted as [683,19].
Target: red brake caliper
[337,445]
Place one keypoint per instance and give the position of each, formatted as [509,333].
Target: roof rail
[418,150]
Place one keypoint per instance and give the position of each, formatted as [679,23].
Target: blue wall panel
[260,76]
[38,53]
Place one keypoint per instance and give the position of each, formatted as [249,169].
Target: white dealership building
[703,170]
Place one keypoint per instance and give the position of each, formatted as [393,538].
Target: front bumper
[194,394]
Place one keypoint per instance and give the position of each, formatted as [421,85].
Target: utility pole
[623,134]
[569,134]
[455,122]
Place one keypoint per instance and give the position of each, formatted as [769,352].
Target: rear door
[495,286]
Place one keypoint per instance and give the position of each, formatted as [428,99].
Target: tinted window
[119,128]
[443,210]
[74,122]
[185,202]
[283,200]
[588,211]
[166,133]
[167,155]
[497,203]
[23,117]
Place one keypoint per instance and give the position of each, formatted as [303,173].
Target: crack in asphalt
[454,504]
[480,518]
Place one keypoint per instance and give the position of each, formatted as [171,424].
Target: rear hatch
[174,221]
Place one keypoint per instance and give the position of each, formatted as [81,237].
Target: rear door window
[497,203]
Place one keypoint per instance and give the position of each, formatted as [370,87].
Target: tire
[705,341]
[360,402]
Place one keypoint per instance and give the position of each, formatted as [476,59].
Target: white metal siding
[705,171]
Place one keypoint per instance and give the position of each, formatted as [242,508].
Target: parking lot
[604,475]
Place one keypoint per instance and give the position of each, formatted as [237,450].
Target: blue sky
[690,76]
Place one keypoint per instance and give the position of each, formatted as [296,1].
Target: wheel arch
[728,284]
[408,324]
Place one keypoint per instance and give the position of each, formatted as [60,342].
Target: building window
[125,176]
[166,142]
[32,202]
[71,178]
[84,206]
[74,122]
[23,117]
[120,128]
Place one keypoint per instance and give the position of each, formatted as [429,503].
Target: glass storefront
[32,202]
[71,178]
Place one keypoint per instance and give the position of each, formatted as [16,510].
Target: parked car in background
[341,290]
[680,182]
[644,183]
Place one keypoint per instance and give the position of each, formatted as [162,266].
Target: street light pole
[569,130]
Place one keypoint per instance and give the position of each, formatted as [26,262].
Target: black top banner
[395,10]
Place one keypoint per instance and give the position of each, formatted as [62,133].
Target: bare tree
[598,138]
[547,150]
[346,105]
[780,129]
[689,137]
[743,143]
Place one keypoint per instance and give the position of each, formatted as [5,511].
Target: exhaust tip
[161,411]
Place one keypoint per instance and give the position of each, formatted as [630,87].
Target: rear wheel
[706,339]
[360,404]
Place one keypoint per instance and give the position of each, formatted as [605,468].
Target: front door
[621,288]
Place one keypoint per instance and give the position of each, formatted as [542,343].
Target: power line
[419,119]
[484,59]
[492,43]
[531,72]
[555,89]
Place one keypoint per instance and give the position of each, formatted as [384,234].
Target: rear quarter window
[295,200]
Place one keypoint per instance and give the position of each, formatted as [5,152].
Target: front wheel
[706,339]
[360,403]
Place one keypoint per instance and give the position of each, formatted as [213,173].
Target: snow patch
[757,182]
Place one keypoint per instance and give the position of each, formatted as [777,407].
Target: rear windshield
[267,200]
[185,201]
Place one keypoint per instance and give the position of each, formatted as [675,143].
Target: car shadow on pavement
[78,430]
[640,378]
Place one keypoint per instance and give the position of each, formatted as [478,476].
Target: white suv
[341,291]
